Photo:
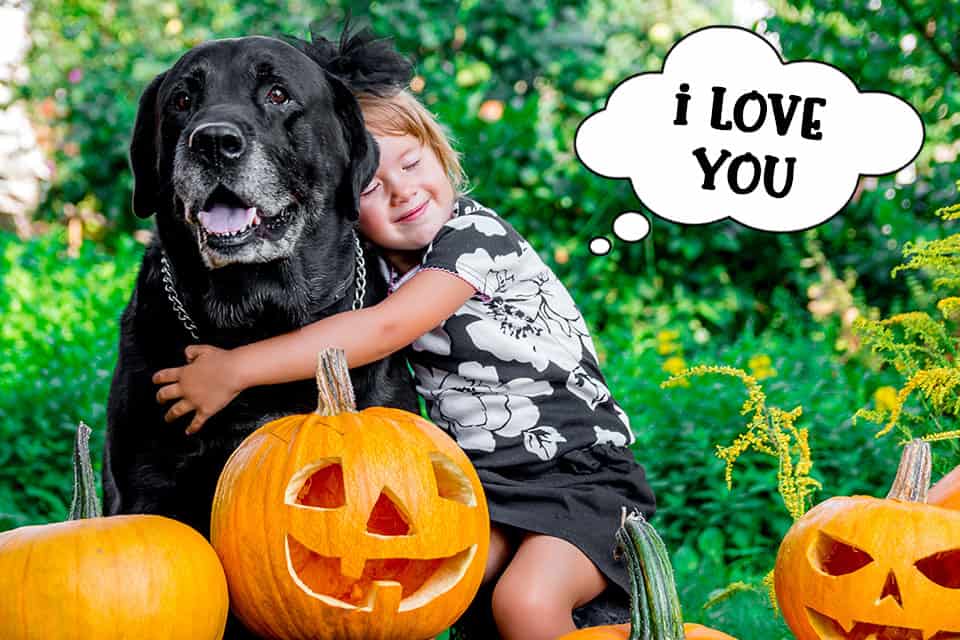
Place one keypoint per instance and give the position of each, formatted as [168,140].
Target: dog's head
[248,144]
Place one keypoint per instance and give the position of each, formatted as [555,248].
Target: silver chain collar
[191,327]
[175,299]
[360,275]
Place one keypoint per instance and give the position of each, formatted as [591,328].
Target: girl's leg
[545,581]
[502,545]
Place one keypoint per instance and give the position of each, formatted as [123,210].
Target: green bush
[58,346]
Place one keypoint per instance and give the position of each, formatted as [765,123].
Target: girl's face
[409,198]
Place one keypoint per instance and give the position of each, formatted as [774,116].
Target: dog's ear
[363,153]
[144,151]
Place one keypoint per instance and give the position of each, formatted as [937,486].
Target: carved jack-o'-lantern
[886,569]
[352,525]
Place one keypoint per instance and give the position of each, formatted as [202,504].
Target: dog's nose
[217,141]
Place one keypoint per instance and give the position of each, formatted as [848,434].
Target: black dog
[252,153]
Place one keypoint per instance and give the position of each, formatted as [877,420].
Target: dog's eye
[182,101]
[277,96]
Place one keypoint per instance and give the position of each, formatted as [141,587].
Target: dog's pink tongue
[223,219]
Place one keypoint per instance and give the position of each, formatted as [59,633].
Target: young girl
[503,359]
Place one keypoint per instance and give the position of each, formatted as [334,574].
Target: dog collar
[166,271]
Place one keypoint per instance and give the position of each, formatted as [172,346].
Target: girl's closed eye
[373,186]
[411,165]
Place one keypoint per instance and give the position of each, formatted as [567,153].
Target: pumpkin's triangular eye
[452,482]
[837,558]
[323,488]
[942,568]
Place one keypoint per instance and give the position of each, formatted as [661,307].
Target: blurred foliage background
[513,79]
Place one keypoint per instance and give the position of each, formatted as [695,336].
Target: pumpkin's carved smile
[382,581]
[395,583]
[830,629]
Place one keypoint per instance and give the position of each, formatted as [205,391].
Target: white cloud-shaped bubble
[726,129]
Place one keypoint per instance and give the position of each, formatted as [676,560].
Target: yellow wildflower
[950,308]
[938,386]
[674,365]
[667,335]
[760,366]
[771,431]
[768,582]
[666,342]
[666,348]
[885,398]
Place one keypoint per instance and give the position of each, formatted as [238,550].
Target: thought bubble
[728,130]
[629,227]
[600,246]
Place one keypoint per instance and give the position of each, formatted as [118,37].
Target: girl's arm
[366,335]
[214,377]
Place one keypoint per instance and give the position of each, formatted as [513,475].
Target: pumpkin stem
[335,391]
[913,474]
[654,606]
[85,502]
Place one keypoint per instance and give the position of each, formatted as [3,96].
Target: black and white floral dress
[512,376]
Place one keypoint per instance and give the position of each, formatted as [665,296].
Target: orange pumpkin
[863,567]
[352,525]
[946,492]
[654,605]
[134,576]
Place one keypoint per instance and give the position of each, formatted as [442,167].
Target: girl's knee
[512,595]
[522,610]
[559,567]
[544,581]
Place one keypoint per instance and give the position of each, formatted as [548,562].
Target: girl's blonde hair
[402,114]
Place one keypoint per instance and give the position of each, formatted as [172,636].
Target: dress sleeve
[481,249]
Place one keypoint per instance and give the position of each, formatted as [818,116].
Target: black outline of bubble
[923,127]
[605,239]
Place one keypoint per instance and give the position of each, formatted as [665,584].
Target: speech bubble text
[728,130]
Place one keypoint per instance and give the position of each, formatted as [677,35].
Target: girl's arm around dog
[214,377]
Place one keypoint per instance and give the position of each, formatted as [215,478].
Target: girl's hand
[205,385]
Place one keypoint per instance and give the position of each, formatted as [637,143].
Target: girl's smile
[413,214]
